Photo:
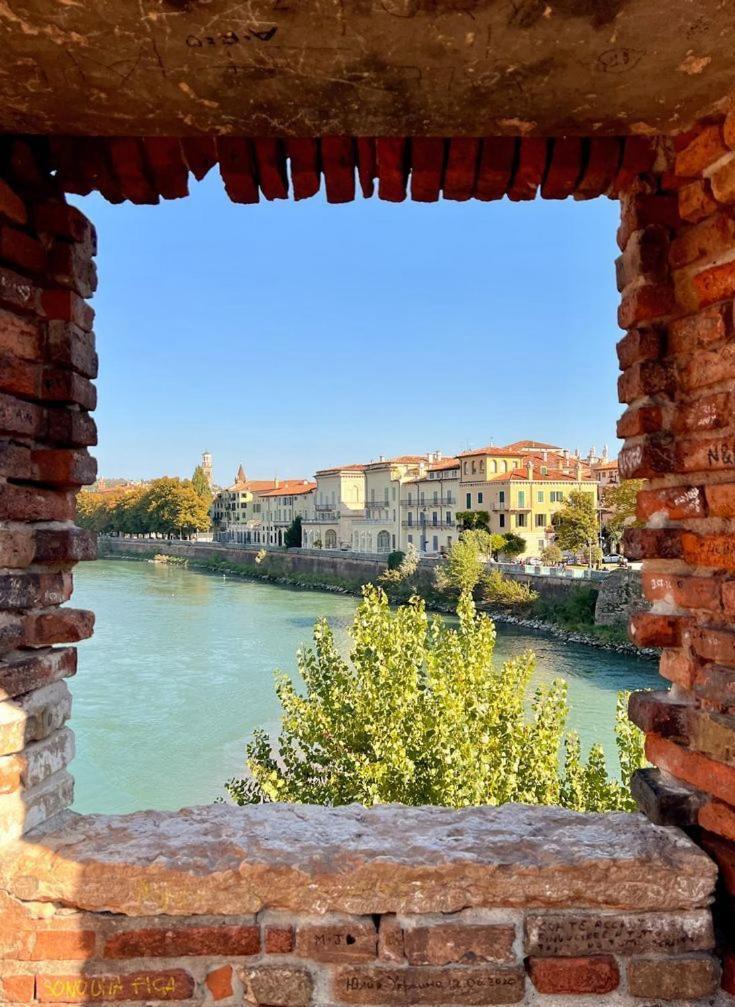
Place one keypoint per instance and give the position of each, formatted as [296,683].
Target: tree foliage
[469,519]
[551,554]
[165,506]
[292,536]
[620,500]
[575,524]
[405,569]
[200,484]
[513,545]
[419,714]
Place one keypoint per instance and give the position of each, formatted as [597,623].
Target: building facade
[429,505]
[339,497]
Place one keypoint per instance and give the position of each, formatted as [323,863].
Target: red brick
[219,982]
[58,625]
[200,154]
[237,167]
[641,209]
[352,941]
[709,368]
[679,667]
[564,169]
[66,306]
[722,181]
[595,974]
[653,456]
[63,945]
[11,631]
[646,303]
[646,253]
[414,985]
[654,714]
[66,386]
[65,221]
[29,670]
[390,939]
[338,165]
[647,629]
[19,335]
[29,503]
[21,250]
[714,551]
[166,984]
[19,377]
[653,543]
[71,266]
[728,596]
[710,239]
[705,328]
[677,503]
[716,686]
[65,545]
[17,548]
[495,169]
[176,942]
[709,412]
[447,943]
[64,467]
[714,644]
[69,427]
[705,454]
[530,168]
[270,161]
[728,974]
[303,155]
[647,378]
[673,978]
[34,590]
[721,499]
[18,989]
[165,160]
[19,417]
[639,345]
[70,346]
[278,940]
[696,290]
[392,166]
[706,148]
[634,422]
[717,817]
[692,767]
[601,169]
[696,201]
[684,592]
[11,205]
[18,291]
[129,163]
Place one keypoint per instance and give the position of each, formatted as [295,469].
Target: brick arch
[677,282]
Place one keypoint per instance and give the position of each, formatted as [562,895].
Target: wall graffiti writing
[230,38]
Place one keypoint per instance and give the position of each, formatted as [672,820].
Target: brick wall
[47,363]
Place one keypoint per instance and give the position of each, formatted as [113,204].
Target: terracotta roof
[603,466]
[253,485]
[445,463]
[553,475]
[532,445]
[290,488]
[341,468]
[492,451]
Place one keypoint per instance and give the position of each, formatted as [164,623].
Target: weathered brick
[349,941]
[66,306]
[65,545]
[646,253]
[714,551]
[18,291]
[445,943]
[709,239]
[673,979]
[704,149]
[721,499]
[11,631]
[277,986]
[646,419]
[705,328]
[722,180]
[697,289]
[684,592]
[58,385]
[30,503]
[595,974]
[653,543]
[676,503]
[692,767]
[33,716]
[651,457]
[639,345]
[454,984]
[19,377]
[703,454]
[18,989]
[165,984]
[716,645]
[28,670]
[696,201]
[646,303]
[11,205]
[180,942]
[64,467]
[58,625]
[575,933]
[715,816]
[70,346]
[665,800]
[20,335]
[71,266]
[709,367]
[278,940]
[37,761]
[22,250]
[34,590]
[653,713]
[18,417]
[728,973]
[679,667]
[728,596]
[709,412]
[390,939]
[716,685]
[641,209]
[69,427]
[17,548]
[66,221]
[648,629]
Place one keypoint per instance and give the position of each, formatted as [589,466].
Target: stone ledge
[223,860]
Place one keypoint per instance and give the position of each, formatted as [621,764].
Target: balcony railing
[426,525]
[439,502]
[324,515]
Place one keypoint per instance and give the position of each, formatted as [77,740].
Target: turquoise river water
[180,670]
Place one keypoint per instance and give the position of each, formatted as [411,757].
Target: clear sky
[295,336]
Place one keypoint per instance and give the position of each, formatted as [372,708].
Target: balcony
[446,501]
[324,516]
[424,526]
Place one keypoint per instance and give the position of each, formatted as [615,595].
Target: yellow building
[429,504]
[520,488]
[339,496]
[277,507]
[235,511]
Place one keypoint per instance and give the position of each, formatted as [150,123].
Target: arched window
[383,541]
[495,466]
[330,539]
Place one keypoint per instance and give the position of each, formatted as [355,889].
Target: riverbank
[558,617]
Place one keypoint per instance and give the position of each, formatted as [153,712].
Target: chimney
[579,471]
[529,468]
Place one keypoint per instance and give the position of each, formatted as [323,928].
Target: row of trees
[166,506]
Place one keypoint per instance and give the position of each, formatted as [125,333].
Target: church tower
[207,468]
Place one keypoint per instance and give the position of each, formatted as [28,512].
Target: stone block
[597,974]
[447,943]
[33,716]
[277,986]
[410,985]
[390,939]
[350,940]
[24,810]
[665,800]
[25,671]
[170,941]
[37,761]
[673,979]
[576,933]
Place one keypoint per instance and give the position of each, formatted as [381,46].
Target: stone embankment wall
[618,595]
[292,906]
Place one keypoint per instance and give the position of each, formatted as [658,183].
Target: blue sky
[292,336]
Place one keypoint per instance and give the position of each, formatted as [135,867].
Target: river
[180,670]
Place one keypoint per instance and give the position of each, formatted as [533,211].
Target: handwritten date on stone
[229,38]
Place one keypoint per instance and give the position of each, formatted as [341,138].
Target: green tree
[200,484]
[419,714]
[575,524]
[501,590]
[551,554]
[469,519]
[292,537]
[513,545]
[463,566]
[406,568]
[174,507]
[620,501]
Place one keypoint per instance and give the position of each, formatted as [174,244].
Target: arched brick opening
[199,907]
